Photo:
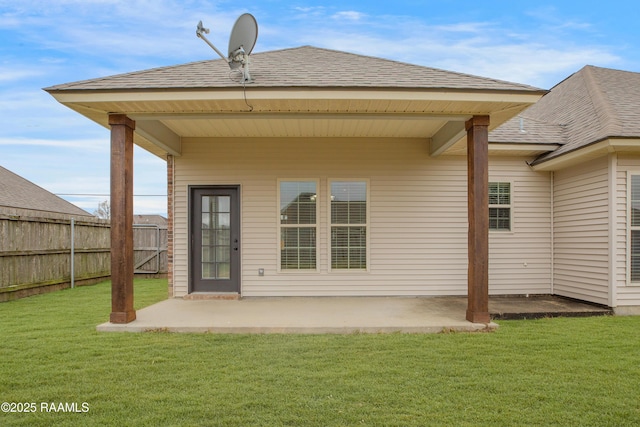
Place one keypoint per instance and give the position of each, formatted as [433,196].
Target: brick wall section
[170,224]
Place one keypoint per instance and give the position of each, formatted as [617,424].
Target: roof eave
[595,149]
[517,147]
[152,94]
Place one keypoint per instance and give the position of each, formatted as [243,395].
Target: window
[349,225]
[298,225]
[500,206]
[634,220]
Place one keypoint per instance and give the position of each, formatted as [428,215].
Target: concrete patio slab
[539,306]
[322,315]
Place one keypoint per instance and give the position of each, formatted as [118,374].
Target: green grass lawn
[565,372]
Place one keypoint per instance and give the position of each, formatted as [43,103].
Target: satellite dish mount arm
[241,43]
[200,32]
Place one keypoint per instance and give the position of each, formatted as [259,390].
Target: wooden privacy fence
[150,249]
[44,254]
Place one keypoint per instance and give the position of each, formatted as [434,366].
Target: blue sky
[49,42]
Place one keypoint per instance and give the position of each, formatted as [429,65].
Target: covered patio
[333,99]
[341,315]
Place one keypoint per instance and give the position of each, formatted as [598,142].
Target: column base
[478,317]
[122,316]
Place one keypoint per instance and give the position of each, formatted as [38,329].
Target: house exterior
[334,174]
[19,196]
[594,118]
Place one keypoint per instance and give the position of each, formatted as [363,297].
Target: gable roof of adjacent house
[590,106]
[17,192]
[158,220]
[304,66]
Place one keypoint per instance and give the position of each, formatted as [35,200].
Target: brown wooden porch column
[478,196]
[122,128]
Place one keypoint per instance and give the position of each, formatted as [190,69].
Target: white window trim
[367,225]
[280,226]
[510,205]
[630,228]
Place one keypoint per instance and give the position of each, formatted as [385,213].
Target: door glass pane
[222,238]
[224,204]
[223,220]
[206,253]
[206,220]
[216,237]
[222,254]
[223,270]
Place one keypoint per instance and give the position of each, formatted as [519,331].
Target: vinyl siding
[627,294]
[520,260]
[417,219]
[581,232]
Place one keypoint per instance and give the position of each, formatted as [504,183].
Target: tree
[103,211]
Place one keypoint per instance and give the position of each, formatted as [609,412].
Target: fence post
[73,253]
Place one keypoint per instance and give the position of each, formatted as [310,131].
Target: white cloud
[309,11]
[92,145]
[349,15]
[11,74]
[540,54]
[463,27]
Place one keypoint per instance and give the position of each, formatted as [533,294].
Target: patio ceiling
[166,119]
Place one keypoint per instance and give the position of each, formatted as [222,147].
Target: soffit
[302,113]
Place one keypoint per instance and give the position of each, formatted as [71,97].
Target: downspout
[613,240]
[553,243]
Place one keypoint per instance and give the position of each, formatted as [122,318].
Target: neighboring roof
[590,106]
[305,66]
[17,192]
[158,220]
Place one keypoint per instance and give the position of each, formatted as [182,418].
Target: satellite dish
[243,38]
[241,43]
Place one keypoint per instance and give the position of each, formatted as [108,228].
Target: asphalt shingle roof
[17,192]
[305,66]
[522,129]
[589,106]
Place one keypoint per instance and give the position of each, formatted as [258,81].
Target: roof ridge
[606,113]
